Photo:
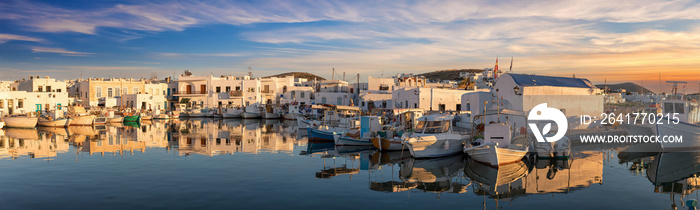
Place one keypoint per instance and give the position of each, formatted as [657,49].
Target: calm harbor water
[235,164]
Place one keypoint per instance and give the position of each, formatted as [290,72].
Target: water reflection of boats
[22,133]
[54,130]
[435,175]
[496,182]
[317,147]
[389,157]
[675,173]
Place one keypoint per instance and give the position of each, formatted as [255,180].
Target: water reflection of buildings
[112,140]
[19,142]
[354,159]
[210,137]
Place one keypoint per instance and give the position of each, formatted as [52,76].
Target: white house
[299,94]
[573,96]
[335,92]
[428,98]
[143,101]
[17,102]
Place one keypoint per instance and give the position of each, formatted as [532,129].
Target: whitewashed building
[335,92]
[428,98]
[18,102]
[299,94]
[143,101]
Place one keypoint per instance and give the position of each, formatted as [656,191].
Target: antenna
[675,86]
[250,73]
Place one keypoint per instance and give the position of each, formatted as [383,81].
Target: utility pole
[343,76]
[333,74]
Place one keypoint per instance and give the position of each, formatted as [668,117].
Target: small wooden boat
[20,121]
[134,118]
[82,120]
[46,122]
[497,147]
[146,117]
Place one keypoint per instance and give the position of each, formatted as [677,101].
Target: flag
[511,64]
[495,69]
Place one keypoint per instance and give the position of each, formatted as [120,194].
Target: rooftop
[538,80]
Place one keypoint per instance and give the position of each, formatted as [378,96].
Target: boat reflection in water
[424,175]
[18,142]
[675,174]
[354,158]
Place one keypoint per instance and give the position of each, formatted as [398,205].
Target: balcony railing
[267,91]
[235,93]
[190,92]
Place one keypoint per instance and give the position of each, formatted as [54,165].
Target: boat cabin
[434,123]
[688,112]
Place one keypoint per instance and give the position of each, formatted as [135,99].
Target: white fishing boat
[683,122]
[498,146]
[159,115]
[180,111]
[20,121]
[80,117]
[146,117]
[115,119]
[82,120]
[293,111]
[251,112]
[434,137]
[233,113]
[196,113]
[49,122]
[271,115]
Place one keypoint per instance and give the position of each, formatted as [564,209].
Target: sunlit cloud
[60,51]
[9,37]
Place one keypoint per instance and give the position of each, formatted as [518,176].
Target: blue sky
[614,40]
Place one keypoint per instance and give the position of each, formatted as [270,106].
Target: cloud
[9,37]
[59,51]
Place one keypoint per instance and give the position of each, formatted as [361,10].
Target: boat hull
[435,148]
[84,120]
[384,144]
[689,133]
[290,116]
[342,140]
[54,123]
[250,115]
[21,122]
[492,155]
[135,118]
[319,135]
[197,115]
[271,116]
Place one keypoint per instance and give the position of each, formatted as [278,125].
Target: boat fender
[446,145]
[691,204]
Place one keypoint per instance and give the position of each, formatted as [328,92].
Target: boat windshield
[433,126]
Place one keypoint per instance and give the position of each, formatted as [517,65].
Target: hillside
[630,87]
[308,76]
[452,74]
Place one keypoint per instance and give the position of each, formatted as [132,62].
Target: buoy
[446,145]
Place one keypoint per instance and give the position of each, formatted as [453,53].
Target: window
[109,92]
[679,108]
[469,107]
[2,104]
[668,107]
[20,103]
[117,92]
[251,90]
[383,87]
[125,91]
[228,89]
[301,94]
[415,105]
[41,88]
[441,107]
[340,101]
[459,107]
[218,89]
[136,90]
[432,126]
[58,90]
[323,100]
[48,88]
[238,88]
[98,92]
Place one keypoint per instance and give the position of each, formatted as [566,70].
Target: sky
[601,40]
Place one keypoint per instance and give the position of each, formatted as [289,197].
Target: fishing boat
[681,120]
[293,111]
[20,121]
[233,113]
[146,117]
[252,112]
[497,182]
[498,147]
[161,116]
[196,113]
[369,125]
[133,118]
[80,117]
[50,122]
[115,119]
[433,137]
[390,139]
[336,119]
[271,113]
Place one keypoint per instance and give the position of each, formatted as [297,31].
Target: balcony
[190,93]
[235,94]
[268,92]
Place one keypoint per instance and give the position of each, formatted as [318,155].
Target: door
[189,89]
[38,108]
[203,89]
